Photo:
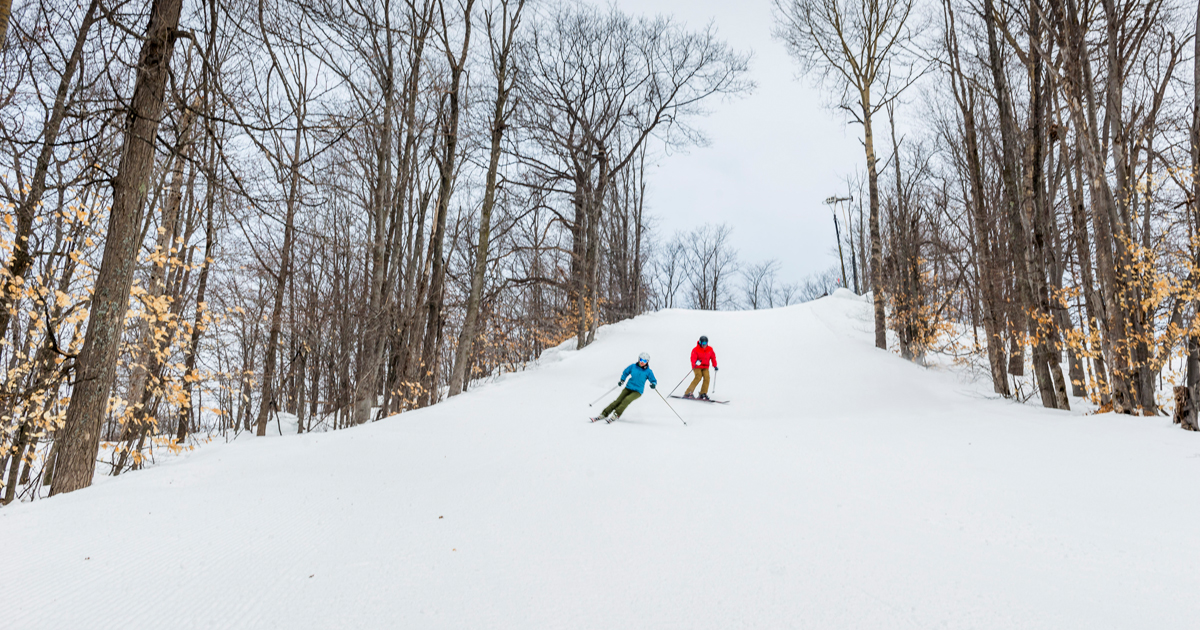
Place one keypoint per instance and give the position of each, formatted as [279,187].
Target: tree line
[219,214]
[1042,208]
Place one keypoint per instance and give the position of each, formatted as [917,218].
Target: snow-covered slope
[842,488]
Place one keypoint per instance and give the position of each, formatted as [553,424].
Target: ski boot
[704,397]
[611,418]
[688,396]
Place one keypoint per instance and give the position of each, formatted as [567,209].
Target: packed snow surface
[842,488]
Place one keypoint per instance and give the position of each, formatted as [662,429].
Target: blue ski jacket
[638,377]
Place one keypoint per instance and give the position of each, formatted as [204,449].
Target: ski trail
[846,488]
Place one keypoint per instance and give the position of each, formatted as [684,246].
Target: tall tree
[501,30]
[854,44]
[79,439]
[965,92]
[1193,338]
[447,163]
[595,87]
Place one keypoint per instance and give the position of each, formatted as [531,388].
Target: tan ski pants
[701,375]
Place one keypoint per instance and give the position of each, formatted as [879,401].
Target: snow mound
[841,488]
[846,294]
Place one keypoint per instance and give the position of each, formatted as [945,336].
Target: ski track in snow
[841,488]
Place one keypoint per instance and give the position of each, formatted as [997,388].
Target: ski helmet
[645,356]
[703,339]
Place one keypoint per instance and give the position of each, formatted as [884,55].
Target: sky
[774,155]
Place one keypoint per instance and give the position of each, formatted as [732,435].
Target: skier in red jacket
[702,357]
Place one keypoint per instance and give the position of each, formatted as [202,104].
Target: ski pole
[602,396]
[670,407]
[714,380]
[679,383]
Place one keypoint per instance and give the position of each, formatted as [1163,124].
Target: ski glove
[716,368]
[697,361]
[620,383]
[653,385]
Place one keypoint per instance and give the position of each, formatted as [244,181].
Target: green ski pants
[623,399]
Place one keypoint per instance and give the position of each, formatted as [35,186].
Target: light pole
[838,232]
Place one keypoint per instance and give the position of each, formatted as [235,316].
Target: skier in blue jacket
[634,379]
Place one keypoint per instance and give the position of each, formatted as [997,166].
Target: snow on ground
[842,488]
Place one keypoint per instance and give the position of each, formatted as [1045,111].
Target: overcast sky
[774,155]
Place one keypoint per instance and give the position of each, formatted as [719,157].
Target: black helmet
[703,339]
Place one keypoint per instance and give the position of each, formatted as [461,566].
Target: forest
[217,213]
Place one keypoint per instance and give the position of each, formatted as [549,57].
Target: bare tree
[711,263]
[758,284]
[21,259]
[786,294]
[597,86]
[501,30]
[965,93]
[80,437]
[668,271]
[447,162]
[854,45]
[818,285]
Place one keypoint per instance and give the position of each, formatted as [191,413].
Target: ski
[720,402]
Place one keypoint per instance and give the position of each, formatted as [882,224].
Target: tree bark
[96,364]
[1193,339]
[5,14]
[147,368]
[876,239]
[1043,327]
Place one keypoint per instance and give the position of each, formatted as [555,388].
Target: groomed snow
[842,488]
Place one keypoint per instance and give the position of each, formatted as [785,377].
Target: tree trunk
[593,248]
[1193,338]
[1185,409]
[447,168]
[1013,203]
[964,96]
[14,464]
[383,205]
[96,364]
[466,340]
[147,368]
[5,13]
[270,354]
[189,361]
[1077,91]
[876,239]
[1043,327]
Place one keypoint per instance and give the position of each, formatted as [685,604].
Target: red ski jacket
[702,356]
